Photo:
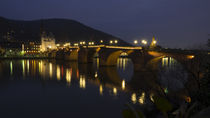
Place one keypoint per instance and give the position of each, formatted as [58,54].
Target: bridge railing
[106,46]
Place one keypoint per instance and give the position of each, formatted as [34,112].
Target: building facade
[31,47]
[47,43]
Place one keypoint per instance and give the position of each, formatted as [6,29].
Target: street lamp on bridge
[135,42]
[144,42]
[110,42]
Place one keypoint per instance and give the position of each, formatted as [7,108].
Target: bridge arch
[71,54]
[183,59]
[86,55]
[109,57]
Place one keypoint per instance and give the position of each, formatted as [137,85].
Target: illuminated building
[47,42]
[31,47]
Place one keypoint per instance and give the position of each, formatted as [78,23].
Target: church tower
[153,43]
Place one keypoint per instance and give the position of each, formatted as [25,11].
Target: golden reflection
[133,98]
[122,63]
[123,85]
[82,83]
[28,66]
[40,67]
[68,76]
[97,62]
[168,62]
[11,68]
[58,73]
[33,70]
[23,66]
[142,98]
[50,71]
[101,90]
[77,73]
[115,91]
[62,71]
[164,61]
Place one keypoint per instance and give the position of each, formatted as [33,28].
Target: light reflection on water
[109,83]
[173,75]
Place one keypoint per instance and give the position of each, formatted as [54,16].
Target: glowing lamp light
[144,42]
[188,99]
[89,43]
[111,42]
[101,41]
[96,74]
[135,42]
[154,42]
[190,56]
[116,41]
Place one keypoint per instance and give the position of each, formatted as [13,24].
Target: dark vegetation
[196,105]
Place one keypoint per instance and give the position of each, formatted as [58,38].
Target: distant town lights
[66,44]
[76,44]
[91,43]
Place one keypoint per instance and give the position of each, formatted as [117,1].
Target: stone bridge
[108,56]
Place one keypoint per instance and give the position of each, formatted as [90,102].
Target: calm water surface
[58,89]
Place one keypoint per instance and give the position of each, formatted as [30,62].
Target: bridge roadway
[108,56]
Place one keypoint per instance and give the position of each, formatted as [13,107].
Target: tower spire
[153,43]
[42,31]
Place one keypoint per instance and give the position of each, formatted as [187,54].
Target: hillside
[64,31]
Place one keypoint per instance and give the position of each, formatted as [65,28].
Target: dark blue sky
[176,23]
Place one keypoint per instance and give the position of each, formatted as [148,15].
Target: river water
[61,89]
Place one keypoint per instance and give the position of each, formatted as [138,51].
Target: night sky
[176,23]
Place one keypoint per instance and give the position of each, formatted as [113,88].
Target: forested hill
[64,30]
